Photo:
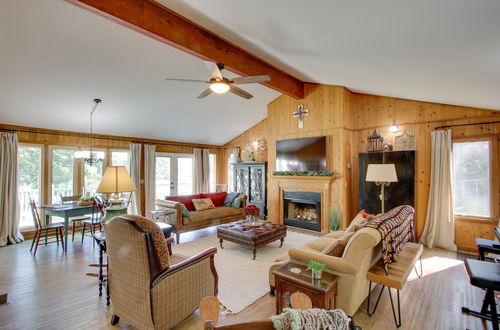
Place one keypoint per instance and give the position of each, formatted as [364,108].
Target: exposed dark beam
[158,22]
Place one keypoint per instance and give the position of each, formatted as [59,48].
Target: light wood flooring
[51,291]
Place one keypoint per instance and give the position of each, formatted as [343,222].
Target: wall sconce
[394,128]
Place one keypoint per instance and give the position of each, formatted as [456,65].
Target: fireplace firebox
[302,209]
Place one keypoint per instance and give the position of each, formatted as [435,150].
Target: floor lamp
[382,175]
[114,181]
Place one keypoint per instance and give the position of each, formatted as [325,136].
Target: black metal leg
[107,285]
[369,298]
[421,270]
[100,269]
[398,320]
[488,303]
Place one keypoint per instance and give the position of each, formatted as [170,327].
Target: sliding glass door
[29,181]
[174,174]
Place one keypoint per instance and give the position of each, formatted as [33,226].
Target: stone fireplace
[302,209]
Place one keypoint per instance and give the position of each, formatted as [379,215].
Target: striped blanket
[396,228]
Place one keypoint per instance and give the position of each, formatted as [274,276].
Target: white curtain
[206,170]
[149,176]
[197,171]
[9,203]
[439,230]
[234,157]
[135,174]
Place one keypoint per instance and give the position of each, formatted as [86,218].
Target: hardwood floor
[51,291]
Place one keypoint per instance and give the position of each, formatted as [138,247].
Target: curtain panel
[149,176]
[234,157]
[206,170]
[135,174]
[197,171]
[439,230]
[9,202]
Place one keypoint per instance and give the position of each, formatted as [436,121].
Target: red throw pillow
[184,199]
[365,214]
[217,198]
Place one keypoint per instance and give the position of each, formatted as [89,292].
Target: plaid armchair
[145,294]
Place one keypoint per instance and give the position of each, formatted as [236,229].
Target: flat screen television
[305,154]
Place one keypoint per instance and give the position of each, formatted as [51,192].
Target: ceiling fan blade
[251,79]
[187,80]
[216,73]
[205,93]
[238,91]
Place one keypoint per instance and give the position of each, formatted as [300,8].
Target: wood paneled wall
[348,118]
[47,137]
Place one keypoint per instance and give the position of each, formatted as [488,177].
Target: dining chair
[95,220]
[74,220]
[40,229]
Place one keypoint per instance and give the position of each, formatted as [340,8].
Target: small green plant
[317,268]
[334,218]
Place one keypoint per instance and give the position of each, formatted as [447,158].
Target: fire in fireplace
[302,209]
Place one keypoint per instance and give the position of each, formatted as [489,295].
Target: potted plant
[334,218]
[250,211]
[317,269]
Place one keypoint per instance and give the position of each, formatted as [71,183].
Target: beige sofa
[360,254]
[200,219]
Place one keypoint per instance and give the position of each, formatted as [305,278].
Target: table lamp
[114,181]
[382,175]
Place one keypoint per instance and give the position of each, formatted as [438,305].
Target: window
[472,178]
[92,175]
[174,174]
[212,171]
[119,158]
[62,170]
[29,181]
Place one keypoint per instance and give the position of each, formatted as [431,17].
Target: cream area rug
[241,279]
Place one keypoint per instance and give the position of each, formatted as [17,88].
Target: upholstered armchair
[149,287]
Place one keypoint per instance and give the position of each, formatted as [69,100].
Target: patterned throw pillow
[203,204]
[230,198]
[185,212]
[236,203]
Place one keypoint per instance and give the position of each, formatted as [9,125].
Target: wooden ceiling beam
[158,22]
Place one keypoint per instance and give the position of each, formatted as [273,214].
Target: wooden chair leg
[34,239]
[57,237]
[62,239]
[83,230]
[114,320]
[37,242]
[73,232]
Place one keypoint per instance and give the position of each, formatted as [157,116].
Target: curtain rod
[95,137]
[470,124]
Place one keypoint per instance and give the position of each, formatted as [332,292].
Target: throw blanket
[396,228]
[311,319]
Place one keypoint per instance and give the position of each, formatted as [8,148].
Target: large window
[472,178]
[213,172]
[92,175]
[119,158]
[62,173]
[174,174]
[29,181]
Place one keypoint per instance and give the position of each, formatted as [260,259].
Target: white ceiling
[444,51]
[55,58]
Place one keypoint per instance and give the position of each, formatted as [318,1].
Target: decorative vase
[316,274]
[250,218]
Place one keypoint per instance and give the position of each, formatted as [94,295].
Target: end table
[321,292]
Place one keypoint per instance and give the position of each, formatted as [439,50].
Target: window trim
[494,195]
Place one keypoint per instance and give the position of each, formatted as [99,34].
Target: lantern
[375,142]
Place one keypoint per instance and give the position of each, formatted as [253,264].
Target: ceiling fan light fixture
[394,128]
[219,87]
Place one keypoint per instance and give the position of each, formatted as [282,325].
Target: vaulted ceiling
[55,58]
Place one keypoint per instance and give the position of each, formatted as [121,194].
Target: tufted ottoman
[237,232]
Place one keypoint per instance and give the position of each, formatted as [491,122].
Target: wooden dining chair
[95,220]
[40,229]
[74,220]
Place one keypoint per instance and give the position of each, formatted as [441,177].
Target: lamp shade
[116,180]
[381,173]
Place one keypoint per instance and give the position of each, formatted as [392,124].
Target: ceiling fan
[220,85]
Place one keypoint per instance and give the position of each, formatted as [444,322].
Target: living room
[256,182]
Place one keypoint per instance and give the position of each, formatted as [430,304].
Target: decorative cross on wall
[301,113]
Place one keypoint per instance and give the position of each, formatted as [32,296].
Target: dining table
[66,211]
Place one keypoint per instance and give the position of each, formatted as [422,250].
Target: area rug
[241,279]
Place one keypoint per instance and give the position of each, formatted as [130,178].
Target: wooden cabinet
[397,193]
[250,179]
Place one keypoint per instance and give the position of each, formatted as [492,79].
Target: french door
[174,174]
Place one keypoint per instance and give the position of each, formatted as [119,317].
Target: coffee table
[253,236]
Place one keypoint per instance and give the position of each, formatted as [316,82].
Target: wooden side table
[321,292]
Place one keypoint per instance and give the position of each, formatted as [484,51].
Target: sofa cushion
[320,244]
[217,197]
[230,198]
[236,203]
[216,213]
[358,222]
[203,204]
[184,199]
[185,212]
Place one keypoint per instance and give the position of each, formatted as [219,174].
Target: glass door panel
[62,170]
[174,174]
[163,183]
[29,181]
[184,176]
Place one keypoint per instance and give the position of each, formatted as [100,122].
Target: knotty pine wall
[348,118]
[53,138]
